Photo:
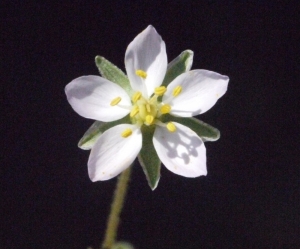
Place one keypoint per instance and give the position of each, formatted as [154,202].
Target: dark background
[250,197]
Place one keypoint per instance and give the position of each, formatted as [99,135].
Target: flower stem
[116,208]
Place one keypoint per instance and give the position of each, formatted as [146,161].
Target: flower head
[150,108]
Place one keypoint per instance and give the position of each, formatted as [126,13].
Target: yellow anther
[160,90]
[149,119]
[115,101]
[141,73]
[177,90]
[148,108]
[126,133]
[171,127]
[165,109]
[134,111]
[136,96]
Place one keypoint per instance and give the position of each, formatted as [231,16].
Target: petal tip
[93,177]
[150,26]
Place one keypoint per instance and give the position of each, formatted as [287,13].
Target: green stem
[116,208]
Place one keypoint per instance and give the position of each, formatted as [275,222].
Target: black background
[250,197]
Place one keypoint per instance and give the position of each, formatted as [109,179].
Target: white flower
[179,148]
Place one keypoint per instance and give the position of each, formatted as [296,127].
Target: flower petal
[182,151]
[113,153]
[200,91]
[90,96]
[146,52]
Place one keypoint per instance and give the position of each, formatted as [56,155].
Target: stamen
[149,119]
[171,127]
[177,90]
[115,101]
[136,96]
[153,99]
[148,108]
[160,90]
[165,109]
[126,133]
[134,111]
[141,73]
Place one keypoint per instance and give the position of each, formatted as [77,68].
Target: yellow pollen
[177,90]
[134,111]
[115,101]
[160,90]
[136,96]
[141,73]
[126,133]
[171,127]
[149,119]
[165,109]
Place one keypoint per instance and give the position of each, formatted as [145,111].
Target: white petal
[146,52]
[90,96]
[113,153]
[200,91]
[182,151]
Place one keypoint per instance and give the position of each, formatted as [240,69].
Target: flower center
[144,111]
[148,111]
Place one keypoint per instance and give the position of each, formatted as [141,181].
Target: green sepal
[203,130]
[93,133]
[181,64]
[113,73]
[116,75]
[148,157]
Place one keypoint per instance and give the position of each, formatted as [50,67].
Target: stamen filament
[148,108]
[134,111]
[153,99]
